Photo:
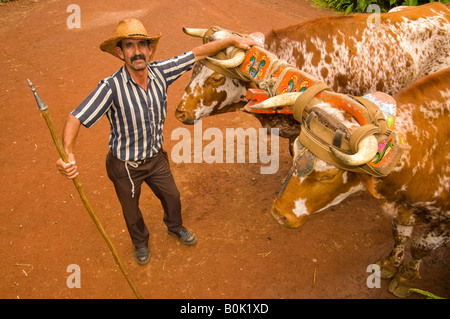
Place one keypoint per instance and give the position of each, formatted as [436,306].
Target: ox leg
[390,264]
[435,236]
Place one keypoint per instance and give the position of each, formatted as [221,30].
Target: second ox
[415,192]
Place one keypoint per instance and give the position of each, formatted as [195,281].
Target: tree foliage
[351,6]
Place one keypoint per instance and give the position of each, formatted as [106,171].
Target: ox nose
[286,217]
[184,117]
[278,217]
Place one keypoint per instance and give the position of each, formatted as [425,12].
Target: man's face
[135,53]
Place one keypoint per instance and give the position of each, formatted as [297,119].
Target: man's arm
[211,48]
[70,133]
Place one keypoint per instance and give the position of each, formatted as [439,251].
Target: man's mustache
[138,57]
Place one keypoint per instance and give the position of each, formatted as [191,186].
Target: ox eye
[328,176]
[216,78]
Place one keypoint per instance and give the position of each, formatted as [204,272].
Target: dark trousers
[128,178]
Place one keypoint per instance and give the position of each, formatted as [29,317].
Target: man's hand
[211,48]
[70,134]
[69,170]
[243,42]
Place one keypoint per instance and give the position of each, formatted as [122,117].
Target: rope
[133,165]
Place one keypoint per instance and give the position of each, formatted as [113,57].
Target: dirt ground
[241,251]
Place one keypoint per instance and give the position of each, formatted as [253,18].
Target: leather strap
[303,100]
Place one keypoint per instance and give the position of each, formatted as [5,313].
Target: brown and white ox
[344,52]
[415,192]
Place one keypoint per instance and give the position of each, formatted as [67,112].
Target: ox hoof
[387,270]
[399,288]
[401,284]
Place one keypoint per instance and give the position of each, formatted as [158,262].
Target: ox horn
[234,62]
[199,33]
[367,149]
[277,101]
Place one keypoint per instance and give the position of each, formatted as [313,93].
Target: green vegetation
[427,294]
[351,6]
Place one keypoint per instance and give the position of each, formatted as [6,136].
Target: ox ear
[369,183]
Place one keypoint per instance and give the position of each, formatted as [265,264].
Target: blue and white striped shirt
[136,116]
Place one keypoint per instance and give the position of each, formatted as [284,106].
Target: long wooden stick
[59,146]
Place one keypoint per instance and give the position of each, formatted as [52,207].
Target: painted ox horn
[199,33]
[367,147]
[234,62]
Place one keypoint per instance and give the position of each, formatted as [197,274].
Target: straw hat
[129,29]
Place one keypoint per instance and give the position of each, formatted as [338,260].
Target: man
[134,101]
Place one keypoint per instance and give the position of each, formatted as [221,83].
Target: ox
[344,52]
[415,192]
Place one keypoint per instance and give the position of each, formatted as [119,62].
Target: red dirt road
[241,251]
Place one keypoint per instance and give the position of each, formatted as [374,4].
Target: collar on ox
[274,77]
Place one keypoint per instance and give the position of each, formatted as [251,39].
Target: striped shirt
[136,116]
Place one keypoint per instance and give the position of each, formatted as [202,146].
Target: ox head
[305,193]
[313,185]
[210,92]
